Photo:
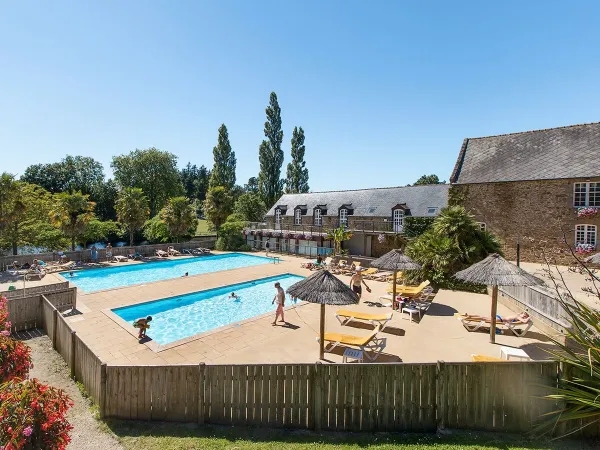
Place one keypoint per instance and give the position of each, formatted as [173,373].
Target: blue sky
[386,91]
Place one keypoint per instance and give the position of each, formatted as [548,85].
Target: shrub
[230,234]
[157,231]
[4,322]
[416,226]
[33,415]
[15,359]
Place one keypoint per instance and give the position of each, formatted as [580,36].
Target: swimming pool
[126,275]
[180,317]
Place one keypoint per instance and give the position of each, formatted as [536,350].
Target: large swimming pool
[126,275]
[180,317]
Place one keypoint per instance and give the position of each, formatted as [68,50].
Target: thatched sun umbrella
[325,289]
[395,261]
[496,271]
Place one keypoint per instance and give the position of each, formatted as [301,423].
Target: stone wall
[532,213]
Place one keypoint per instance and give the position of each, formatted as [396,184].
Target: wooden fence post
[72,361]
[54,323]
[317,389]
[102,402]
[440,403]
[201,376]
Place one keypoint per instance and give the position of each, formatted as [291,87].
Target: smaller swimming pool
[180,317]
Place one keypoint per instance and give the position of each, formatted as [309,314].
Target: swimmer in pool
[233,295]
[186,274]
[71,274]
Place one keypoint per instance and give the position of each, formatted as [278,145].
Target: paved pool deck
[438,335]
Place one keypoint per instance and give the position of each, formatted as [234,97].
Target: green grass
[202,228]
[166,436]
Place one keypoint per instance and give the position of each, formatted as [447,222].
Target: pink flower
[27,431]
[5,333]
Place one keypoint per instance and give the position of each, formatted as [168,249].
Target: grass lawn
[203,228]
[165,436]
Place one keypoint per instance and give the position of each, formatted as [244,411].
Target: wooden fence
[85,255]
[36,290]
[499,396]
[27,312]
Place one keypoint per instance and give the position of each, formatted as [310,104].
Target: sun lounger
[35,273]
[380,276]
[204,251]
[365,343]
[161,253]
[119,258]
[409,291]
[345,317]
[136,256]
[171,251]
[518,327]
[366,273]
[483,358]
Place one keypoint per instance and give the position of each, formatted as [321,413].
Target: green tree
[223,172]
[157,231]
[105,195]
[270,155]
[251,207]
[73,173]
[230,234]
[97,230]
[152,170]
[24,208]
[338,235]
[429,179]
[453,242]
[297,173]
[180,217]
[132,210]
[218,205]
[71,213]
[252,185]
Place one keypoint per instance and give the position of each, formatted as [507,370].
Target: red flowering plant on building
[33,415]
[381,238]
[308,237]
[587,212]
[584,249]
[298,236]
[15,359]
[286,235]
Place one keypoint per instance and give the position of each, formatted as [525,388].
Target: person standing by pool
[94,253]
[143,325]
[280,299]
[356,283]
[267,247]
[108,251]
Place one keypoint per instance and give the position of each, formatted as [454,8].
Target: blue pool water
[117,276]
[176,318]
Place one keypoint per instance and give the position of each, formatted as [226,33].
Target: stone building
[300,222]
[537,189]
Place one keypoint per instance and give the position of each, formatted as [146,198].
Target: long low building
[300,222]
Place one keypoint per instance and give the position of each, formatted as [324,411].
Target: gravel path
[49,367]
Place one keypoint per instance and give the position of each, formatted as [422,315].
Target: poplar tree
[297,173]
[223,173]
[270,155]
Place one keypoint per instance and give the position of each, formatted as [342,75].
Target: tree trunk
[73,244]
[131,238]
[15,249]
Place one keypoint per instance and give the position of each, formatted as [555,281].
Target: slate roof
[376,202]
[553,153]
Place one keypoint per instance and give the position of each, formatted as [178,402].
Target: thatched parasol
[325,289]
[496,271]
[594,259]
[395,260]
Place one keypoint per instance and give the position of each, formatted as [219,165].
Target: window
[586,194]
[585,234]
[344,217]
[431,210]
[318,218]
[482,226]
[372,210]
[398,220]
[298,217]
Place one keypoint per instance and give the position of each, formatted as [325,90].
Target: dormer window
[318,217]
[298,217]
[431,210]
[344,217]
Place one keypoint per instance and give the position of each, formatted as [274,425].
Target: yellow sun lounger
[365,343]
[345,317]
[484,358]
[368,272]
[409,291]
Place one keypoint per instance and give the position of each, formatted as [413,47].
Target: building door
[278,219]
[398,220]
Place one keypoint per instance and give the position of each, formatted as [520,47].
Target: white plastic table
[508,352]
[354,354]
[411,311]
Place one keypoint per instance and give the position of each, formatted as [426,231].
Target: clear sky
[385,90]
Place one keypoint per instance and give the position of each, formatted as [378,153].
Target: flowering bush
[4,322]
[32,415]
[266,233]
[308,237]
[275,234]
[587,212]
[584,249]
[246,231]
[286,235]
[381,238]
[15,359]
[298,236]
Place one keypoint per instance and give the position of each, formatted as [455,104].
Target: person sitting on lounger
[143,325]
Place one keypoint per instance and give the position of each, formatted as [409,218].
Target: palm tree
[338,235]
[180,217]
[71,213]
[132,210]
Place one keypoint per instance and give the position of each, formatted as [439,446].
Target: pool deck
[438,336]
